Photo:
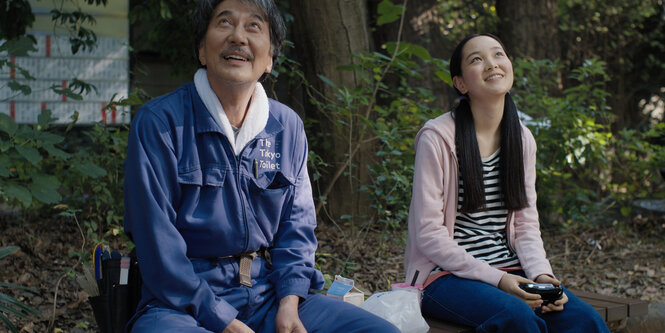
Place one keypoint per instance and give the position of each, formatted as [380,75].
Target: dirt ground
[605,261]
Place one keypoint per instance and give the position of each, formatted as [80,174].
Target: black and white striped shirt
[483,233]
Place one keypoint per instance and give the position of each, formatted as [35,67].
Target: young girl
[473,225]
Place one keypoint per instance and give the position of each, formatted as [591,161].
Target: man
[217,195]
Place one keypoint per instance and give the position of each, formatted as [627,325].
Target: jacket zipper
[240,194]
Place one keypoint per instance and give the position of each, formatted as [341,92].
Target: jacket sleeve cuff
[218,318]
[298,287]
[494,277]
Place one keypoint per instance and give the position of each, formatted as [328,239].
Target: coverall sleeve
[151,189]
[295,243]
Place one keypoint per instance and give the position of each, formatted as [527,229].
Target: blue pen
[97,260]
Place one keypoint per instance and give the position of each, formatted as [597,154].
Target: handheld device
[547,291]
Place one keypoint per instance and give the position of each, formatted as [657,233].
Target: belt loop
[245,268]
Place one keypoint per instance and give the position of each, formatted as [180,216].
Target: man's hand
[287,319]
[510,283]
[237,326]
[558,304]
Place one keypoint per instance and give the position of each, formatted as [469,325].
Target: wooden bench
[612,309]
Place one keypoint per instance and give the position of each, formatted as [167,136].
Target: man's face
[236,47]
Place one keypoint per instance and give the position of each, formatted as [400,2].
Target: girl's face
[486,69]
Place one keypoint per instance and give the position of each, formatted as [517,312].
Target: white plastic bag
[400,307]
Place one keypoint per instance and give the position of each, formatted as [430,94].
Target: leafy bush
[586,174]
[96,190]
[42,165]
[25,178]
[9,305]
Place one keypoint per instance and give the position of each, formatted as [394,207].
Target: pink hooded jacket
[434,208]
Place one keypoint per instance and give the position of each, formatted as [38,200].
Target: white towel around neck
[255,119]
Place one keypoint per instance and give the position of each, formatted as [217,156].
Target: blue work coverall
[191,205]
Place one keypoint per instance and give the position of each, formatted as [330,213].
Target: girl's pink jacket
[434,207]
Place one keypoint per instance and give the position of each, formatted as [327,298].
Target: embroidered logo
[269,159]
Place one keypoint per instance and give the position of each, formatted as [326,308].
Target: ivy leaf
[44,119]
[5,164]
[48,138]
[45,188]
[445,77]
[4,172]
[13,191]
[75,118]
[69,93]
[29,153]
[7,124]
[327,81]
[24,72]
[19,47]
[90,169]
[5,251]
[388,12]
[16,86]
[52,151]
[5,145]
[164,11]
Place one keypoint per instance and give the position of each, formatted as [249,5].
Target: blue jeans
[490,309]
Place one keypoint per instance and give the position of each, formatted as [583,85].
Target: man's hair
[206,8]
[511,162]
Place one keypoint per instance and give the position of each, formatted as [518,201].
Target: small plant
[8,304]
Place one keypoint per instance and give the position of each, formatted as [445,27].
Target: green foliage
[74,22]
[8,304]
[19,46]
[388,13]
[95,183]
[389,116]
[629,35]
[583,170]
[636,160]
[79,168]
[572,145]
[15,17]
[165,26]
[462,17]
[25,177]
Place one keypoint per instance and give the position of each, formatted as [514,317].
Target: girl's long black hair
[511,162]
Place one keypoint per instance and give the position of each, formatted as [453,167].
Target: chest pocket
[270,195]
[208,176]
[272,180]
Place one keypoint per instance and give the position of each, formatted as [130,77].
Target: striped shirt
[483,233]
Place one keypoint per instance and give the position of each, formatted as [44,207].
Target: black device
[547,291]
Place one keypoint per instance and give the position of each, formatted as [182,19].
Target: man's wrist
[290,301]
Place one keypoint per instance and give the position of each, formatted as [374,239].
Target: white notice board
[106,67]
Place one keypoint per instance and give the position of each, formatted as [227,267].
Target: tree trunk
[326,34]
[529,28]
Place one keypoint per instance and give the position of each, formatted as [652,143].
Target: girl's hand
[510,283]
[558,304]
